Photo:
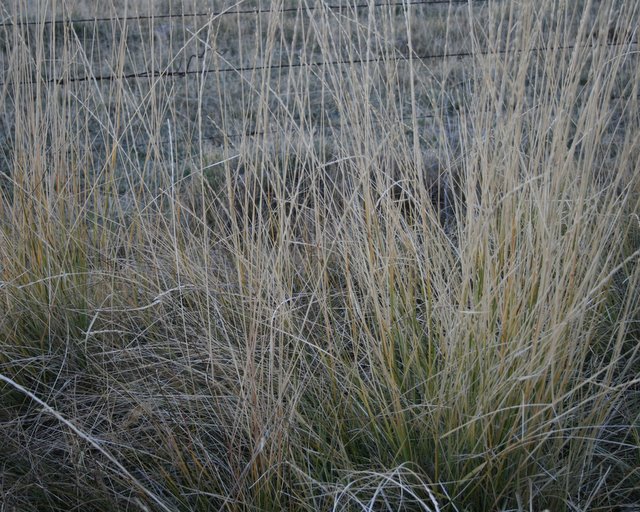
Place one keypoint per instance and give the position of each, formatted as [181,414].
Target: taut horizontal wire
[424,57]
[215,14]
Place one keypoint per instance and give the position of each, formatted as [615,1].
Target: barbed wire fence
[231,11]
[169,73]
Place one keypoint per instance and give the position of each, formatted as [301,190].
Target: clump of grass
[343,306]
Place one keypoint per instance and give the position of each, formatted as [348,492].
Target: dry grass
[287,289]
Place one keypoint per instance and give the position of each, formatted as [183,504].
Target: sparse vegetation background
[302,260]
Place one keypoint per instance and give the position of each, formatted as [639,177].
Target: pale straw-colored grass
[350,306]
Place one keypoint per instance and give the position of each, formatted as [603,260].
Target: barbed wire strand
[171,74]
[216,14]
[439,56]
